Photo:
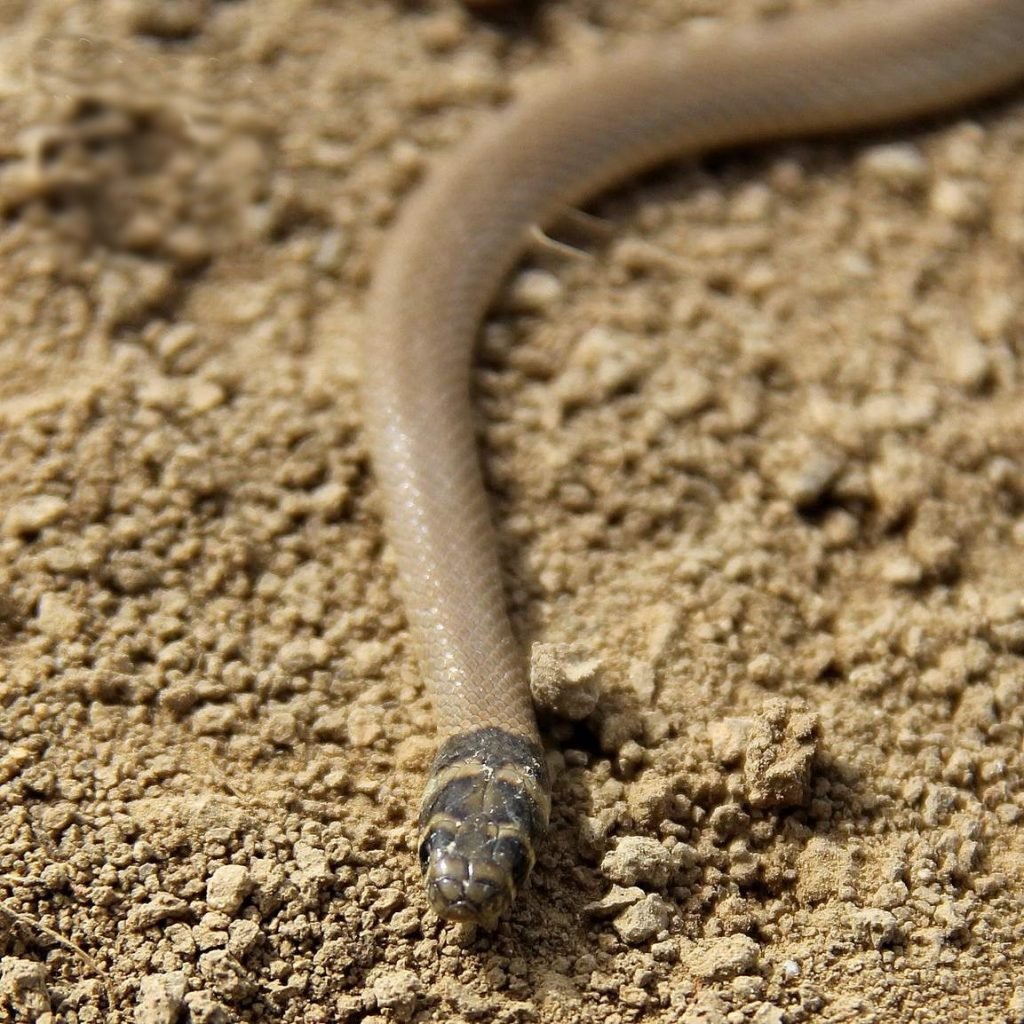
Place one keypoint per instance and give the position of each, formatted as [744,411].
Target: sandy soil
[760,459]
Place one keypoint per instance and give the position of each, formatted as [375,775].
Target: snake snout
[473,869]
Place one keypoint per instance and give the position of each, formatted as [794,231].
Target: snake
[487,801]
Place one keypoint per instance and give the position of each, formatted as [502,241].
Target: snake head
[474,868]
[485,806]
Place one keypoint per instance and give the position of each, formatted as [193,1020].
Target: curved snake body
[460,234]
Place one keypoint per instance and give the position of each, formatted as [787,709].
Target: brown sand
[761,456]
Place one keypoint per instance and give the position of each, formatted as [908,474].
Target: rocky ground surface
[758,471]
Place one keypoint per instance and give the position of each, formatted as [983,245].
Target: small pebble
[302,655]
[728,957]
[161,998]
[23,987]
[956,201]
[565,679]
[227,887]
[781,748]
[242,938]
[396,991]
[57,618]
[968,361]
[898,165]
[33,514]
[643,921]
[617,899]
[875,928]
[364,727]
[638,860]
[729,739]
[533,291]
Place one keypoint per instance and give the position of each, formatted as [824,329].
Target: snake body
[486,803]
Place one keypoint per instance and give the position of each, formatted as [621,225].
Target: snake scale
[866,63]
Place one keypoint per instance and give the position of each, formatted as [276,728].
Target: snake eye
[436,838]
